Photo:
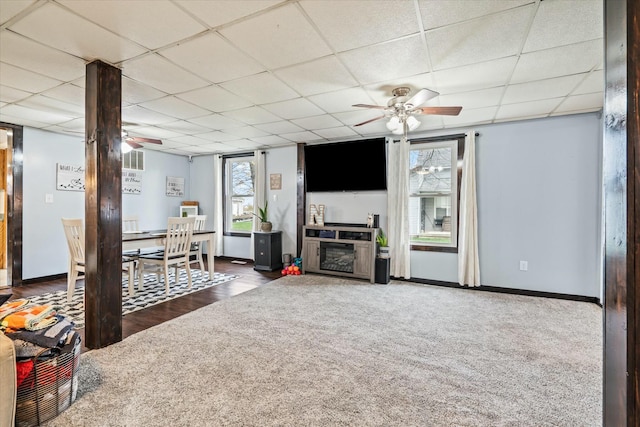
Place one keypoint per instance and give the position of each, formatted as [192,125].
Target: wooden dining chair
[177,246]
[130,223]
[74,232]
[195,255]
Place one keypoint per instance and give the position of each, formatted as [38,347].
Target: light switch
[48,198]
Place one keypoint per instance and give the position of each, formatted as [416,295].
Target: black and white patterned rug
[152,293]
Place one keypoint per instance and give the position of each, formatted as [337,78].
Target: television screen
[346,166]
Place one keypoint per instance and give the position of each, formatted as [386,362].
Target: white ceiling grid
[225,76]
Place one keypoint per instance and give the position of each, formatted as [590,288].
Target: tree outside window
[239,194]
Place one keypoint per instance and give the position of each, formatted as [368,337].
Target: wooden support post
[621,176]
[103,199]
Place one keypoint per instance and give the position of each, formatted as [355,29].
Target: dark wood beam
[621,176]
[13,210]
[103,199]
[301,197]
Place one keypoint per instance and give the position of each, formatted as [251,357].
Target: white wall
[44,245]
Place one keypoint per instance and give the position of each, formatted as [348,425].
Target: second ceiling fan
[402,110]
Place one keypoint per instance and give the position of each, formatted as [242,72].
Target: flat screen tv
[346,166]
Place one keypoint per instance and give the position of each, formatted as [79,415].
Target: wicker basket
[49,388]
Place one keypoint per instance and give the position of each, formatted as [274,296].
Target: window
[435,167]
[239,179]
[134,159]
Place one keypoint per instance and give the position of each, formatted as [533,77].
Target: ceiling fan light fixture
[393,124]
[125,148]
[412,123]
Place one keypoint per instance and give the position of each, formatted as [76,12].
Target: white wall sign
[131,182]
[175,186]
[69,177]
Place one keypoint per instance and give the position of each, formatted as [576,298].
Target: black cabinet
[383,270]
[267,250]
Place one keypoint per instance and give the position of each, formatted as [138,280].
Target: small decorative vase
[384,252]
[265,226]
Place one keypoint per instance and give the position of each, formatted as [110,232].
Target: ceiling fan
[402,110]
[135,142]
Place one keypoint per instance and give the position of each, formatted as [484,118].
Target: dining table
[134,240]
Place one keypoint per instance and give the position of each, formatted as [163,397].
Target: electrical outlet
[48,198]
[524,265]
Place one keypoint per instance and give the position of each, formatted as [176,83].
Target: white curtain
[259,192]
[398,208]
[217,215]
[468,260]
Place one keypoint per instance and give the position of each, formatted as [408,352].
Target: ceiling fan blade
[421,97]
[444,111]
[370,120]
[380,107]
[132,144]
[144,140]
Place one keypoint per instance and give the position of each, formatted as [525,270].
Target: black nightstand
[267,250]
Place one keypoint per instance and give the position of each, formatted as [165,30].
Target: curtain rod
[439,138]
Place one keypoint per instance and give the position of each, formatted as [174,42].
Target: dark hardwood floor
[148,317]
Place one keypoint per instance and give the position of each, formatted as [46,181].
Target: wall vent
[134,159]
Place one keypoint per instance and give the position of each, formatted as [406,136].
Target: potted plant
[383,244]
[265,225]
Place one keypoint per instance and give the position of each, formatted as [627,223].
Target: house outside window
[239,184]
[434,187]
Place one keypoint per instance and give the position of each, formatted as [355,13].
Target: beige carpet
[319,351]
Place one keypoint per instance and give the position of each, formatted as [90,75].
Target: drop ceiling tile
[175,107]
[541,89]
[584,102]
[594,82]
[217,136]
[170,143]
[294,109]
[252,115]
[271,140]
[342,100]
[245,144]
[438,13]
[278,38]
[473,99]
[35,115]
[134,92]
[219,12]
[246,132]
[323,75]
[559,61]
[189,140]
[215,99]
[74,35]
[27,54]
[23,121]
[351,118]
[150,132]
[277,128]
[161,74]
[43,103]
[350,24]
[185,127]
[335,133]
[216,147]
[318,122]
[216,121]
[471,116]
[75,126]
[526,110]
[396,59]
[212,58]
[69,93]
[260,88]
[490,37]
[549,28]
[151,23]
[10,9]
[25,80]
[478,76]
[142,116]
[302,137]
[9,94]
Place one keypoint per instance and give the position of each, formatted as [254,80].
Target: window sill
[422,248]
